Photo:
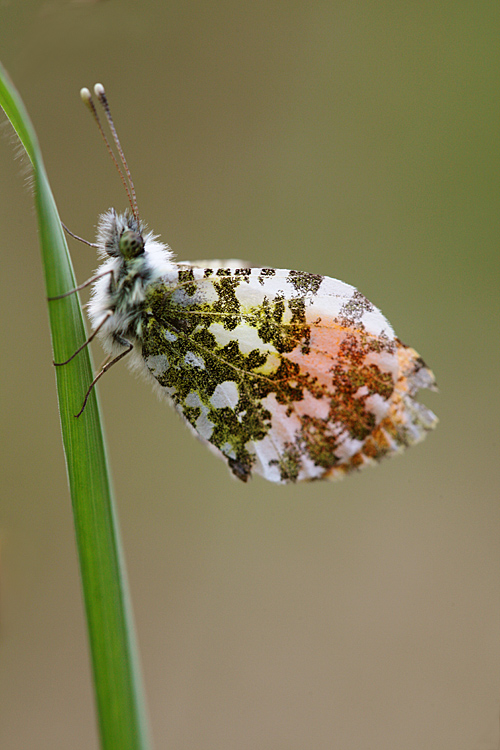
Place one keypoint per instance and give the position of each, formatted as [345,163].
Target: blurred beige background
[358,140]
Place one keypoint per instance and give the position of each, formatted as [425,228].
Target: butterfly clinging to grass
[286,374]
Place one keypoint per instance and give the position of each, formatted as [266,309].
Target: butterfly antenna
[86,98]
[103,100]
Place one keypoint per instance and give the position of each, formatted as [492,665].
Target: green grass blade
[117,681]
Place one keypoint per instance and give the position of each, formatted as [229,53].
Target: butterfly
[289,375]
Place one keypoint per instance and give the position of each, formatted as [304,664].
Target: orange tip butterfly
[285,374]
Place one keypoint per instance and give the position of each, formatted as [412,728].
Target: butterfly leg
[76,237]
[90,338]
[105,367]
[81,286]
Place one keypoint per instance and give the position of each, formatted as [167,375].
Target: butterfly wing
[285,374]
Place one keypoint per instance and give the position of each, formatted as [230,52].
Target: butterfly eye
[131,244]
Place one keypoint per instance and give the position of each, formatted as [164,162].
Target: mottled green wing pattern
[286,374]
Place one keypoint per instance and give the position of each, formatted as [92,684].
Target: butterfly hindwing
[286,374]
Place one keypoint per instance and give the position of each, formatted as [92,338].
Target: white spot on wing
[193,360]
[193,399]
[378,406]
[247,337]
[363,391]
[386,361]
[228,450]
[225,395]
[203,424]
[271,364]
[319,408]
[377,324]
[347,447]
[158,364]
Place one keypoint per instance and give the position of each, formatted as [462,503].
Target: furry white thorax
[122,291]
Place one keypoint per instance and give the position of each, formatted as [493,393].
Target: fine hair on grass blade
[117,682]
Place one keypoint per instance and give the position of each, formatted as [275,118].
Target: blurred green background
[357,140]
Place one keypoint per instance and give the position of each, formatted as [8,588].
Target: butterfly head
[120,235]
[131,244]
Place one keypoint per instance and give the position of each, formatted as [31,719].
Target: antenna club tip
[85,95]
[99,90]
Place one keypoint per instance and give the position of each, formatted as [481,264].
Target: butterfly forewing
[286,374]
